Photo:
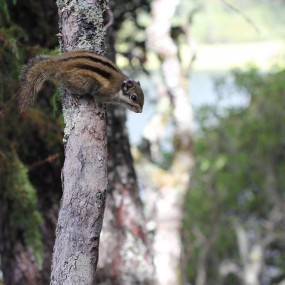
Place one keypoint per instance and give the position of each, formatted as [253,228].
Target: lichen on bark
[88,31]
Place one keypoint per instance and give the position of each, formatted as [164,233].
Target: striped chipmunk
[81,72]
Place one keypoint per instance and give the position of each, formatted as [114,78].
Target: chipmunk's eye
[134,98]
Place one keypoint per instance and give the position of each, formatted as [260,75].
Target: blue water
[202,91]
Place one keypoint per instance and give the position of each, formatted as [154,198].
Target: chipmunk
[82,72]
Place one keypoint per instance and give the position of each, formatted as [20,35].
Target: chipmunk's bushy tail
[32,77]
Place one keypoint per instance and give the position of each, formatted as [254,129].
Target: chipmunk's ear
[138,83]
[127,84]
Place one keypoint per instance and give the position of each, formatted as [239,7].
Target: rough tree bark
[125,258]
[84,175]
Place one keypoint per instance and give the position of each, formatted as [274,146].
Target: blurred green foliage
[18,191]
[219,21]
[239,180]
[28,138]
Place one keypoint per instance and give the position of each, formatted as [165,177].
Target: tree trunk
[84,175]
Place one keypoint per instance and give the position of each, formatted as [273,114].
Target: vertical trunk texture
[125,258]
[84,175]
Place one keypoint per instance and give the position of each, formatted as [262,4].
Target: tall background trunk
[125,255]
[125,258]
[173,108]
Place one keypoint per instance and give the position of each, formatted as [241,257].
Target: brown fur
[81,72]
